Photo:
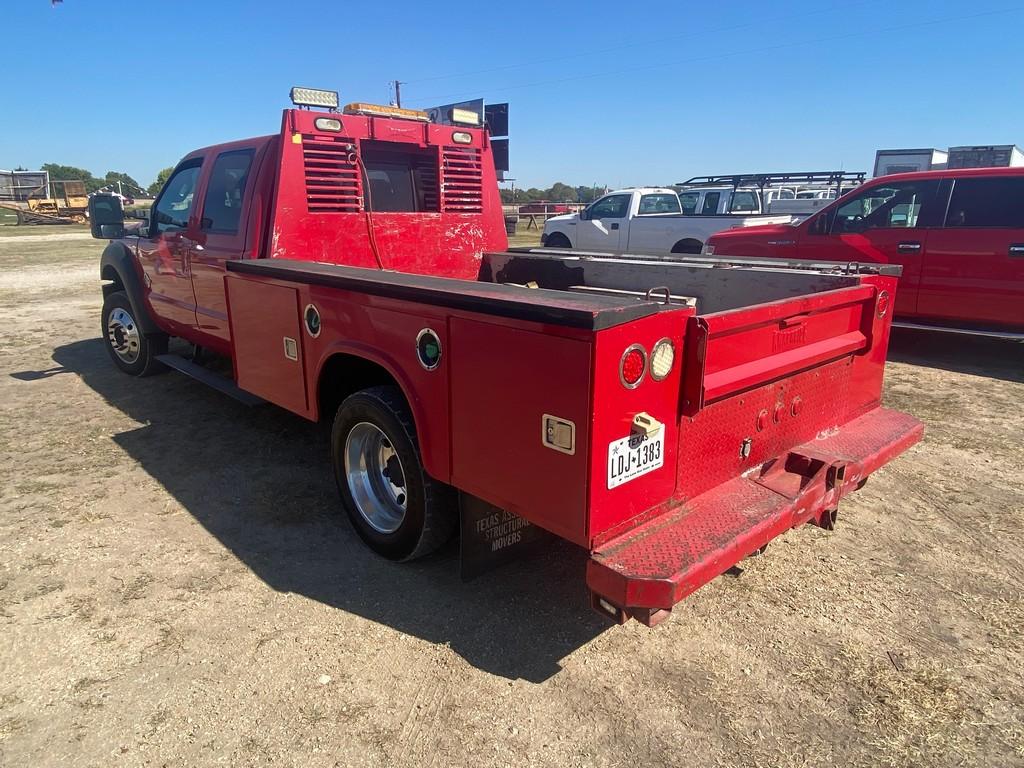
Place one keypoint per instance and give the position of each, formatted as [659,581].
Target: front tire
[397,509]
[557,240]
[131,350]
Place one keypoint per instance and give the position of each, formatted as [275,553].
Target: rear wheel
[688,247]
[131,350]
[557,240]
[397,509]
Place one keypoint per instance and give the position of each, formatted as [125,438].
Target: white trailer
[986,156]
[889,161]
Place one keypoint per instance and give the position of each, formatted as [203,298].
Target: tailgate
[729,352]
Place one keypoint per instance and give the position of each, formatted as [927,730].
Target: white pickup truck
[649,221]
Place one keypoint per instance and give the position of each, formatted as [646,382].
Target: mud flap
[491,536]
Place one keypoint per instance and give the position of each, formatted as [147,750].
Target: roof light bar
[379,110]
[312,97]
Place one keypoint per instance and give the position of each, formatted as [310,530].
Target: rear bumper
[646,571]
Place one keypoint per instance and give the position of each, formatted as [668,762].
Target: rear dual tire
[398,510]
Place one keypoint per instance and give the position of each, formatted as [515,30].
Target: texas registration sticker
[633,456]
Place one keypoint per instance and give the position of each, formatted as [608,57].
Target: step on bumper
[646,571]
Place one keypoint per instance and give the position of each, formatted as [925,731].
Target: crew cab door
[602,224]
[227,192]
[654,228]
[164,251]
[974,268]
[887,223]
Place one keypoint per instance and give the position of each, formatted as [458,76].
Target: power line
[731,54]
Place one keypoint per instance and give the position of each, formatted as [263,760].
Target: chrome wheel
[375,477]
[123,335]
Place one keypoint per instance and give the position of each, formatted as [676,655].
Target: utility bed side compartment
[509,387]
[615,500]
[268,354]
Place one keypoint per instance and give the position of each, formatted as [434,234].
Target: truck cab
[422,188]
[654,221]
[717,201]
[957,234]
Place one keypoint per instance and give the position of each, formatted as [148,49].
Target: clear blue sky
[610,92]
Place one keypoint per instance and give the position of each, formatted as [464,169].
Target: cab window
[710,207]
[222,206]
[744,202]
[400,178]
[993,202]
[658,203]
[890,206]
[175,203]
[610,207]
[689,200]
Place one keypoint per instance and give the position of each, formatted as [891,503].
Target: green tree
[561,193]
[557,192]
[161,178]
[71,173]
[129,185]
[588,194]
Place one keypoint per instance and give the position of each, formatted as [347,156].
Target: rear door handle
[908,246]
[614,226]
[1017,249]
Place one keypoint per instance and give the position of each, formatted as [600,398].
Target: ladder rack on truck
[670,417]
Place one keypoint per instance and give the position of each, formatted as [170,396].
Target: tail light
[633,366]
[662,356]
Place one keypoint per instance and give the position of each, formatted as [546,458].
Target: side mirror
[585,214]
[106,217]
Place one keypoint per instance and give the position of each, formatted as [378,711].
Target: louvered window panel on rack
[332,176]
[463,183]
[425,174]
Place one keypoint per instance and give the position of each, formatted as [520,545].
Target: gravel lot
[175,590]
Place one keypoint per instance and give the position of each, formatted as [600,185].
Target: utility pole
[398,93]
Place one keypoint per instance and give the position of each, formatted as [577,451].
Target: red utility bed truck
[671,418]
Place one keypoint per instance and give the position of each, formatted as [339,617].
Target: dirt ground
[175,590]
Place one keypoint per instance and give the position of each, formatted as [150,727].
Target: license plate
[633,456]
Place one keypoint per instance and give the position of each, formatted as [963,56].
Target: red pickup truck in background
[958,234]
[671,418]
